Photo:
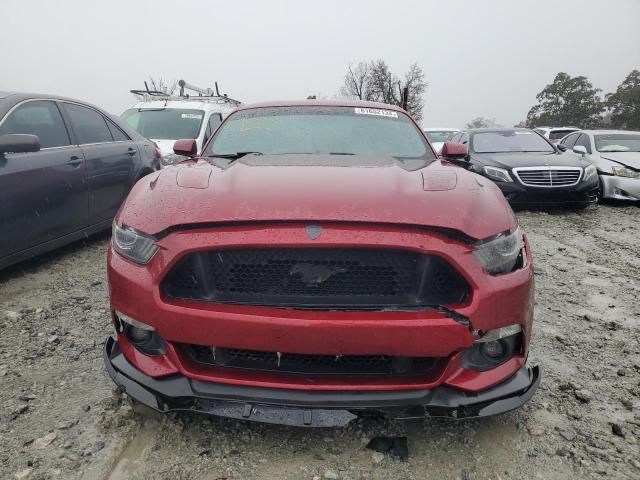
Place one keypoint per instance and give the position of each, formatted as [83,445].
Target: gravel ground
[61,418]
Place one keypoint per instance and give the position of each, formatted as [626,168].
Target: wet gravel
[61,418]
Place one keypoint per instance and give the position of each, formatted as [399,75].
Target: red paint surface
[495,301]
[380,207]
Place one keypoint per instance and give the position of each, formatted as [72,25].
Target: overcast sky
[481,58]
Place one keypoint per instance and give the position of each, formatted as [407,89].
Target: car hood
[317,189]
[511,160]
[630,159]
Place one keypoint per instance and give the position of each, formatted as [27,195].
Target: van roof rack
[203,94]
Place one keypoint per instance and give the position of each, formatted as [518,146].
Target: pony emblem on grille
[314,231]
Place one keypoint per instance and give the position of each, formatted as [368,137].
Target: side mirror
[19,143]
[186,146]
[580,149]
[454,151]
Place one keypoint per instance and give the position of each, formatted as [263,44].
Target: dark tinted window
[117,134]
[558,134]
[41,118]
[570,140]
[584,141]
[89,125]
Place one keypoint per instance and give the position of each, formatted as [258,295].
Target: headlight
[497,174]
[133,245]
[501,253]
[625,172]
[589,172]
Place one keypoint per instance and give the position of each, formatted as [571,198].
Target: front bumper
[582,194]
[313,408]
[620,188]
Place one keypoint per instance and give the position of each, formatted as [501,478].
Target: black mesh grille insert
[310,364]
[316,278]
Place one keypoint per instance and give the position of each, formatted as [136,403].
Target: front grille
[321,278]
[548,176]
[294,363]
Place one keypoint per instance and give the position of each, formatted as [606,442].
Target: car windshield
[440,135]
[164,123]
[618,142]
[321,130]
[509,141]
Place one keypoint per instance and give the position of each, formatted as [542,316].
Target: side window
[570,140]
[456,138]
[117,134]
[464,138]
[41,118]
[214,120]
[585,142]
[89,125]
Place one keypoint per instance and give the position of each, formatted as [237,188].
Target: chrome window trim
[580,171]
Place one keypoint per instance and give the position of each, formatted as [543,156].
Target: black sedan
[527,168]
[65,168]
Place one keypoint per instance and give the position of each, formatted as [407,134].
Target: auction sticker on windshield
[192,115]
[376,111]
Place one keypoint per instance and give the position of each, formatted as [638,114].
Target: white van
[165,118]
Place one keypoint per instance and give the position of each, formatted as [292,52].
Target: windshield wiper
[341,153]
[234,156]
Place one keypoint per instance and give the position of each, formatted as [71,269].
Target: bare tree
[374,81]
[481,122]
[356,82]
[159,85]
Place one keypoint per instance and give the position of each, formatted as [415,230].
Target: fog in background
[481,58]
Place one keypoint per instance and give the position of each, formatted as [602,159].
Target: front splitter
[313,408]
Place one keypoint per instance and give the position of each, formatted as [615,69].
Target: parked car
[166,118]
[318,260]
[65,168]
[527,168]
[437,136]
[555,134]
[615,154]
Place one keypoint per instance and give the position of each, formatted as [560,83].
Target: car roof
[610,132]
[497,130]
[193,104]
[20,96]
[321,103]
[550,129]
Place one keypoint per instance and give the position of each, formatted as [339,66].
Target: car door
[111,162]
[43,195]
[582,140]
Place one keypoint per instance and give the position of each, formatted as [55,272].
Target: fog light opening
[144,337]
[493,348]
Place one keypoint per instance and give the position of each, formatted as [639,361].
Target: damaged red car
[316,262]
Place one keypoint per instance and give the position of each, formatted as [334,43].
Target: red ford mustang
[315,262]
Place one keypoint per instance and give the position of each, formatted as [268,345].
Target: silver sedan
[616,155]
